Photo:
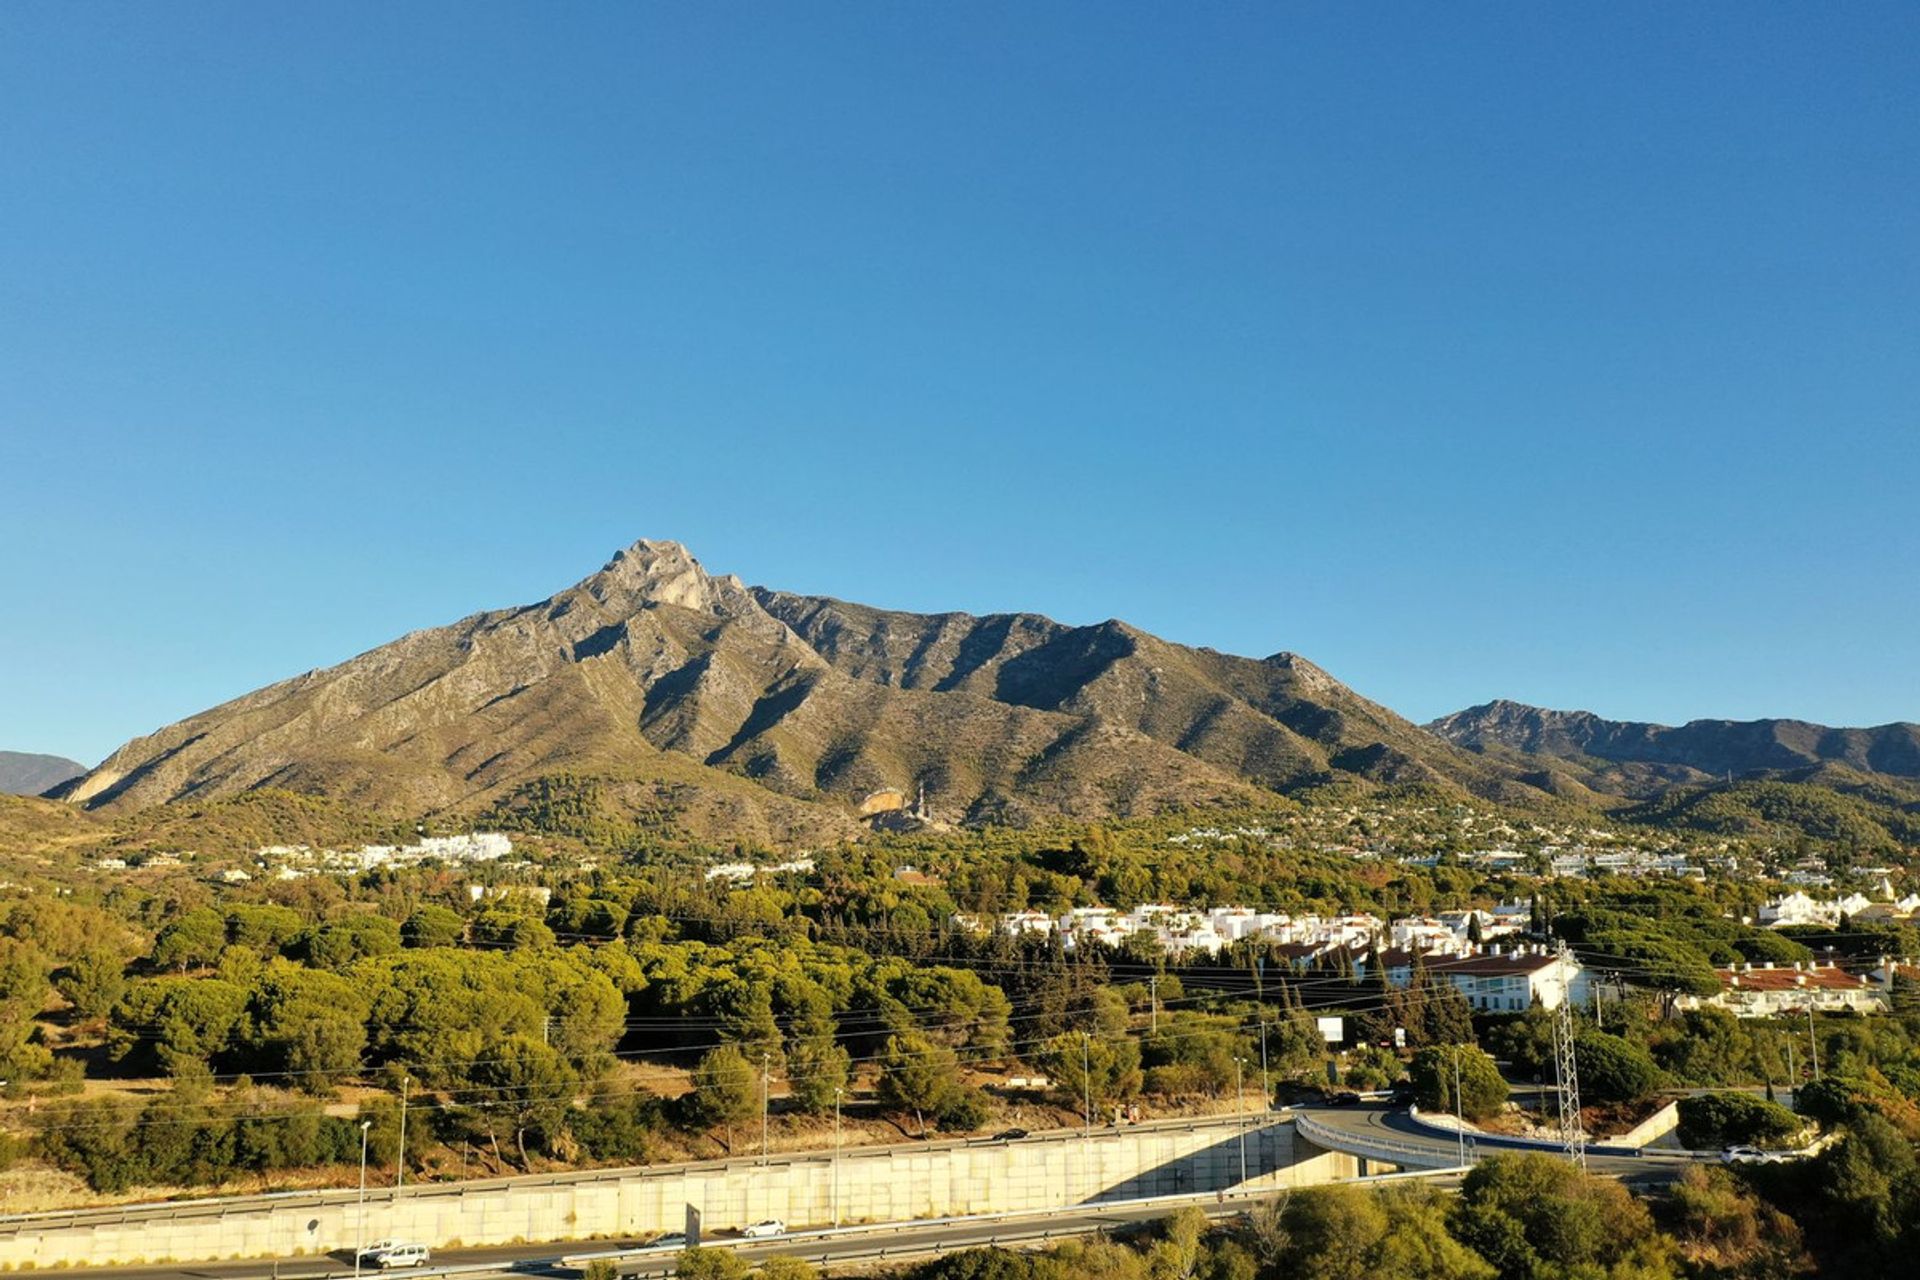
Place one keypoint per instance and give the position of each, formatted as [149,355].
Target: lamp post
[1086,1093]
[766,1073]
[1266,1090]
[360,1213]
[837,1091]
[1240,1105]
[400,1163]
[1459,1112]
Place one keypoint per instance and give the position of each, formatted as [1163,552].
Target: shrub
[1723,1119]
[1482,1091]
[1613,1069]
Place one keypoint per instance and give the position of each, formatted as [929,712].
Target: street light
[360,1214]
[400,1165]
[837,1091]
[1459,1110]
[766,1072]
[1240,1104]
[1266,1090]
[1086,1093]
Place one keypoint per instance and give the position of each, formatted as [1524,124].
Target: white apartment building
[1769,991]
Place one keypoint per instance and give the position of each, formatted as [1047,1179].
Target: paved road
[1362,1122]
[544,1259]
[1390,1124]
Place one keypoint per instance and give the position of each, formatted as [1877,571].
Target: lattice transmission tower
[1565,1069]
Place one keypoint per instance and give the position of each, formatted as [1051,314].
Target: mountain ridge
[782,710]
[27,773]
[1703,748]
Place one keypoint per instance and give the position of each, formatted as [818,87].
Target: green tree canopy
[1482,1091]
[1727,1119]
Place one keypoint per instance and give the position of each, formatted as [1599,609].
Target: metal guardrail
[1341,1140]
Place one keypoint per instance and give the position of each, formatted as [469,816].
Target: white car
[369,1252]
[671,1240]
[764,1228]
[395,1256]
[1752,1155]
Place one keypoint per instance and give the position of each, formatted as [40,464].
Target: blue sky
[1555,353]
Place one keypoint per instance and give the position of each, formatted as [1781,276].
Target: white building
[1512,981]
[1767,991]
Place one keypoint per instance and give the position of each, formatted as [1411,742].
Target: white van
[402,1255]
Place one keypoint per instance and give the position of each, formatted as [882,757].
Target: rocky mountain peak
[654,572]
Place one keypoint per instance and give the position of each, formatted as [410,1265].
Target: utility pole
[766,1073]
[837,1091]
[1153,1005]
[1566,1067]
[1241,1100]
[1793,1072]
[1813,1045]
[400,1165]
[360,1214]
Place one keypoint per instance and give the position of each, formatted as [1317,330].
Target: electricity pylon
[1565,1069]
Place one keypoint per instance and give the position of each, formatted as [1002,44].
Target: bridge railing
[1333,1138]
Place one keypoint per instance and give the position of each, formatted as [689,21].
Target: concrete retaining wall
[1654,1127]
[872,1184]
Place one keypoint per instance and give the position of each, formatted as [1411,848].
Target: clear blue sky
[1493,350]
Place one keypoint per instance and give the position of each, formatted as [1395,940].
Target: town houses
[1501,979]
[1768,990]
[1494,976]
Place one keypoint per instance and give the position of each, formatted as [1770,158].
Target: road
[900,1241]
[1395,1126]
[1363,1124]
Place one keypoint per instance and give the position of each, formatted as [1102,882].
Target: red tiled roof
[1491,966]
[1824,979]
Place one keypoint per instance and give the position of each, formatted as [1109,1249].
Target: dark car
[1343,1099]
[1010,1135]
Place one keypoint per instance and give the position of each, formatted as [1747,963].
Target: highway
[865,1244]
[1390,1133]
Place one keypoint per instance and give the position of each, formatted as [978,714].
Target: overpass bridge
[1384,1137]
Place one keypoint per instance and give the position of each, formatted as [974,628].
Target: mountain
[749,712]
[25,774]
[1695,751]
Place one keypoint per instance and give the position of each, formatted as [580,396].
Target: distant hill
[25,774]
[1696,751]
[752,713]
[1828,802]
